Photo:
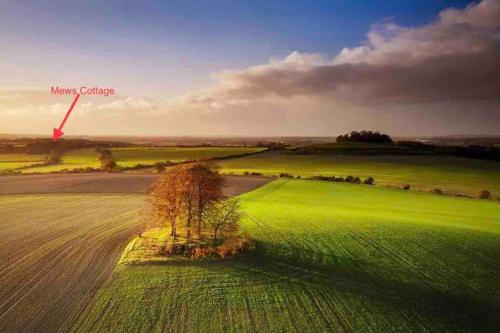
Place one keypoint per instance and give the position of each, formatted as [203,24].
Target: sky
[262,68]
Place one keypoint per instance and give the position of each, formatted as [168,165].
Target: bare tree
[224,217]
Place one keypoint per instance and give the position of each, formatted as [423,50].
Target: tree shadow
[338,274]
[309,270]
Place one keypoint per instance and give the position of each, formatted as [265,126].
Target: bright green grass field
[422,172]
[13,161]
[78,158]
[131,156]
[330,257]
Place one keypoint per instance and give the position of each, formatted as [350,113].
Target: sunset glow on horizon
[295,69]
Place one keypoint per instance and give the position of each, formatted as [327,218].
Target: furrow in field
[54,272]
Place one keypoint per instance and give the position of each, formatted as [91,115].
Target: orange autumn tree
[208,190]
[185,193]
[165,199]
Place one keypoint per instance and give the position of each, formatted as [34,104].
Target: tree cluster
[55,157]
[478,152]
[45,146]
[365,136]
[272,145]
[106,158]
[190,196]
[472,151]
[161,166]
[10,149]
[349,179]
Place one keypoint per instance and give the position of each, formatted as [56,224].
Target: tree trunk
[188,228]
[174,231]
[199,227]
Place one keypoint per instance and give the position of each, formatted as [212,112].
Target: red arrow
[58,133]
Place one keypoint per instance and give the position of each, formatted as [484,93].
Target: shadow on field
[421,302]
[411,293]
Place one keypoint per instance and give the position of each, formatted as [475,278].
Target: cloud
[131,102]
[439,78]
[10,96]
[46,109]
[56,108]
[24,102]
[455,58]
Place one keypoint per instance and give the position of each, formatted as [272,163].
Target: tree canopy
[365,136]
[185,194]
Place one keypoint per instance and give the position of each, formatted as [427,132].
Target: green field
[125,157]
[74,159]
[329,257]
[13,161]
[55,252]
[422,172]
[131,156]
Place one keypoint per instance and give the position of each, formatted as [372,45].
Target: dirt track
[108,183]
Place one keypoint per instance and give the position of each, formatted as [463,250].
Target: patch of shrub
[233,247]
[437,191]
[485,194]
[319,178]
[161,250]
[159,167]
[369,181]
[252,173]
[109,165]
[54,158]
[201,252]
[136,167]
[223,251]
[328,178]
[203,249]
[285,175]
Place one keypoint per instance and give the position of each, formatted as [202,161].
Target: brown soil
[132,183]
